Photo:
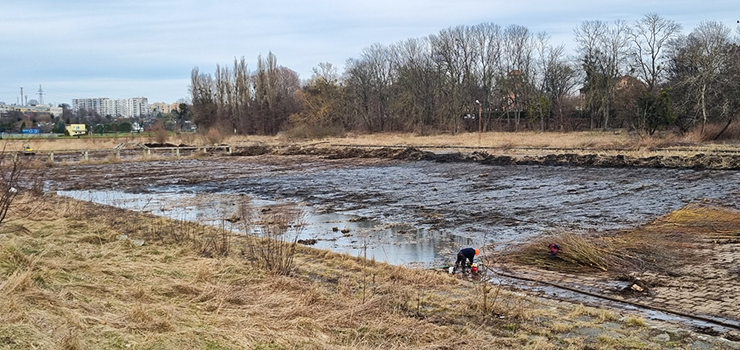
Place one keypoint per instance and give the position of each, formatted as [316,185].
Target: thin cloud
[148,47]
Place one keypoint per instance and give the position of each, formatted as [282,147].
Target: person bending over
[466,254]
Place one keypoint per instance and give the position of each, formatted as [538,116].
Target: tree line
[643,76]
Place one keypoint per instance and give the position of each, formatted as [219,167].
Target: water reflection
[342,233]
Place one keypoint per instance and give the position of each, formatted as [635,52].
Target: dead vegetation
[594,140]
[75,277]
[661,246]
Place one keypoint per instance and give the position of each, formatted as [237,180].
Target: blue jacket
[468,253]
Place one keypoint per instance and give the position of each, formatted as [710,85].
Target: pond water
[405,212]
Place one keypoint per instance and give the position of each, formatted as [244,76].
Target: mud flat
[427,205]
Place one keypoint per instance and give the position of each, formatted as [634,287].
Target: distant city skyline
[122,49]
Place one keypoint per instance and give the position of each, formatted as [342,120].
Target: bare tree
[455,52]
[603,52]
[325,71]
[558,79]
[242,100]
[374,75]
[701,62]
[649,36]
[204,104]
[517,73]
[416,86]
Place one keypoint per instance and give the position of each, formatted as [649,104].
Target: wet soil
[700,160]
[461,203]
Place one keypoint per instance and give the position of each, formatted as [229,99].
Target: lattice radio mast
[41,96]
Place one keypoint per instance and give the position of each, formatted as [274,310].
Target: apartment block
[128,107]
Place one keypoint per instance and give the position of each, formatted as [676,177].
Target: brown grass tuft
[578,251]
[661,245]
[71,341]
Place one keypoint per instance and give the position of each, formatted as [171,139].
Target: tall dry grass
[661,245]
[102,291]
[593,140]
[69,278]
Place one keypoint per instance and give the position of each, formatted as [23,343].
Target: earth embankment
[689,160]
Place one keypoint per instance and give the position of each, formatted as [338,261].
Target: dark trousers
[461,261]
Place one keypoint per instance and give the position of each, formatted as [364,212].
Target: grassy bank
[75,275]
[595,140]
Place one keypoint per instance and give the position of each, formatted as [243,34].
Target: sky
[121,49]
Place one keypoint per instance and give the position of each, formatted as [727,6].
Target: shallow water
[407,212]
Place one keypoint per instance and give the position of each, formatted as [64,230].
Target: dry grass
[593,140]
[579,252]
[500,140]
[69,279]
[660,246]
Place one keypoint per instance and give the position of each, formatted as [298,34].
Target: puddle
[391,243]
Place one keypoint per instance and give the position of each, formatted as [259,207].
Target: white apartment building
[128,107]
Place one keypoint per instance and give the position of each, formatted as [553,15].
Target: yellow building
[76,129]
[162,107]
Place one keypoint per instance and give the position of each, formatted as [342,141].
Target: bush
[214,136]
[273,248]
[306,131]
[160,133]
[712,132]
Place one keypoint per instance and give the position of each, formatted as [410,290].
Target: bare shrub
[218,242]
[273,243]
[714,132]
[160,133]
[187,138]
[18,177]
[214,136]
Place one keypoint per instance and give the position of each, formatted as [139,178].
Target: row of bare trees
[645,75]
[245,102]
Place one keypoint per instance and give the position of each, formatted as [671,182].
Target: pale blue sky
[120,49]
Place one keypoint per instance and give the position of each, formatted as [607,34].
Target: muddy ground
[475,198]
[688,266]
